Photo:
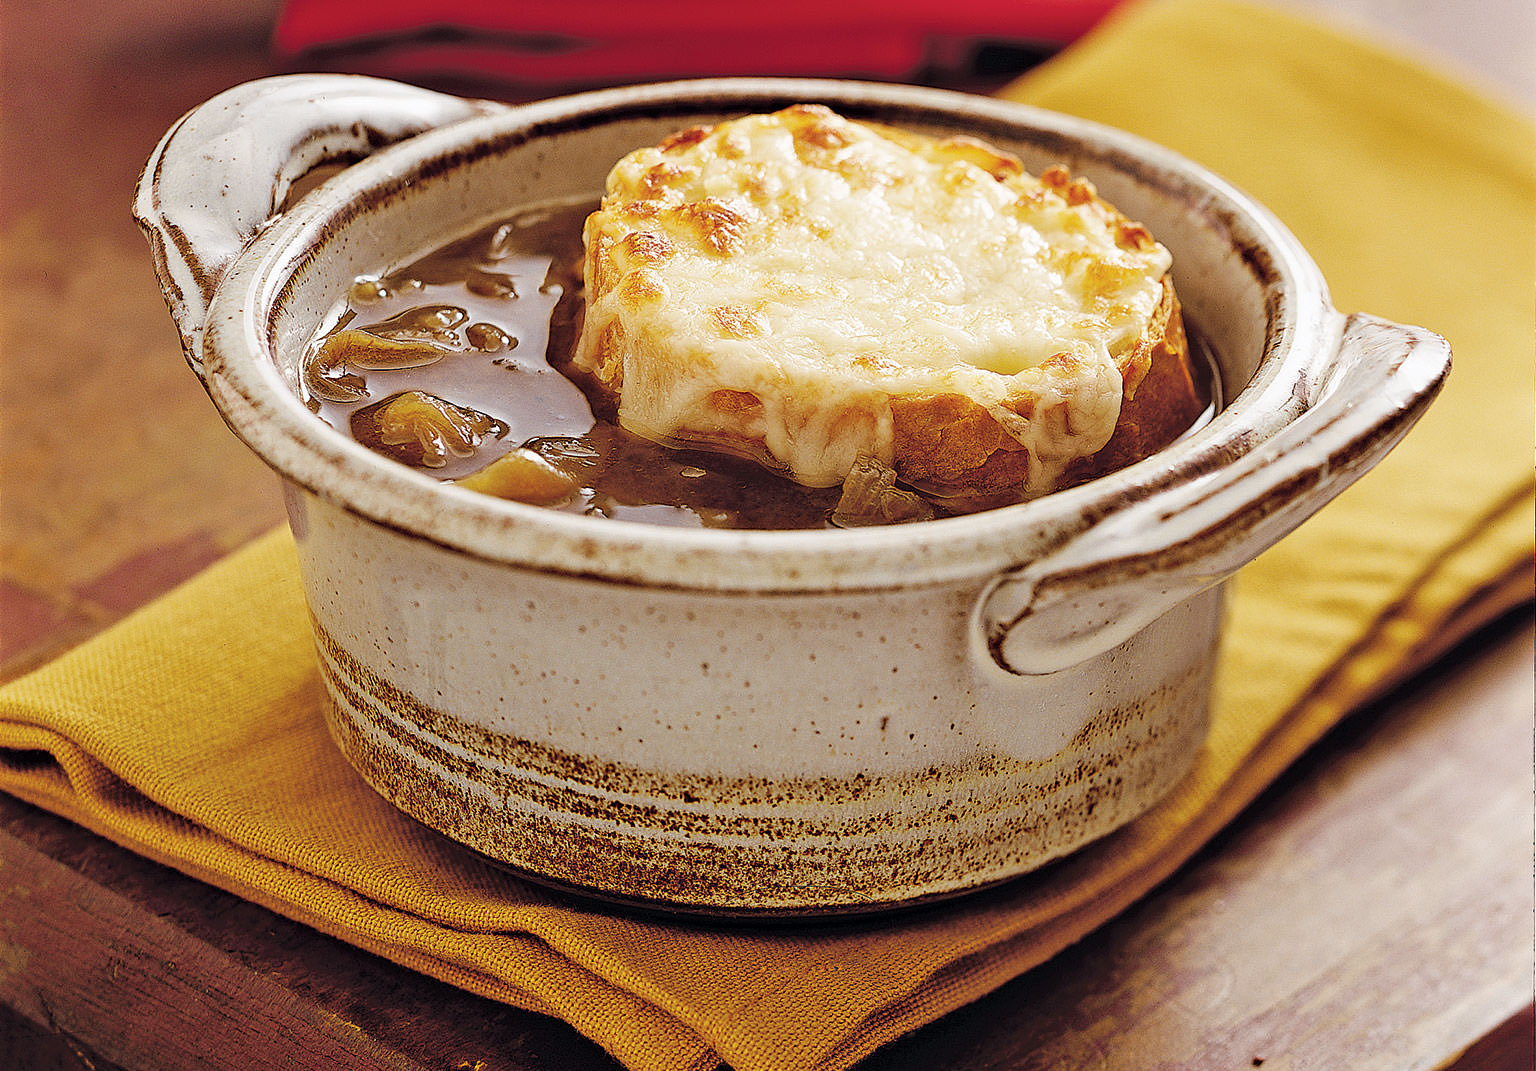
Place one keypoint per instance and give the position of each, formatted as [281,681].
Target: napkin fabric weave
[192,731]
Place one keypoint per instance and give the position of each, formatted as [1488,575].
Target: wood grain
[1373,910]
[118,474]
[133,963]
[1372,906]
[1341,922]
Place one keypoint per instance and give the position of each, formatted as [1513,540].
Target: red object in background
[611,41]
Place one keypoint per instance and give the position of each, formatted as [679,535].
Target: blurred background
[117,479]
[89,87]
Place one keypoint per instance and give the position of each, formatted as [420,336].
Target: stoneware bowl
[752,722]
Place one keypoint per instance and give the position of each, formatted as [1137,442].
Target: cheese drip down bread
[814,293]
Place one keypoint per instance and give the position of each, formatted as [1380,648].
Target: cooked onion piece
[418,428]
[523,476]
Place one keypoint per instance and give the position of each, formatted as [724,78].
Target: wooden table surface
[1372,910]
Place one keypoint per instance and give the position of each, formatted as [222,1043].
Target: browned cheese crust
[959,443]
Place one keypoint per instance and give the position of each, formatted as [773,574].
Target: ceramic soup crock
[752,721]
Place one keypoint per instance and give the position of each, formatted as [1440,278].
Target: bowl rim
[243,380]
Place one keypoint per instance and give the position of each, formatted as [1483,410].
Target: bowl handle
[223,170]
[1105,583]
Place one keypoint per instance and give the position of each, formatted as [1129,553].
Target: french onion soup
[788,320]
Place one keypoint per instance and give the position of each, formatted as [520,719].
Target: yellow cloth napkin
[192,731]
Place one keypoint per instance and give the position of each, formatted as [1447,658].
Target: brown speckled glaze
[755,722]
[695,838]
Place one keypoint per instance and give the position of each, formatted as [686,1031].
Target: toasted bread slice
[807,290]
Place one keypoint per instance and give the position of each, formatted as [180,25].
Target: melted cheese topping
[771,283]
